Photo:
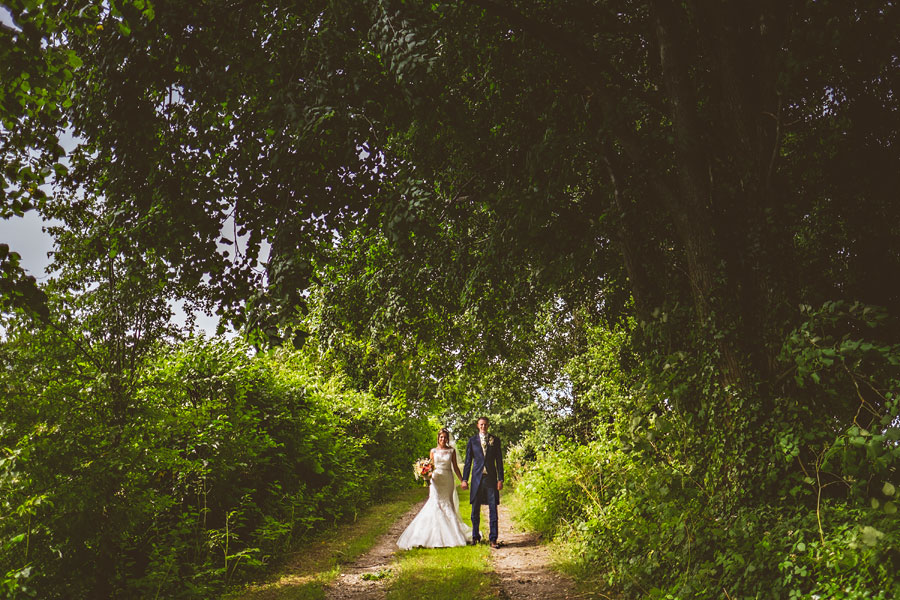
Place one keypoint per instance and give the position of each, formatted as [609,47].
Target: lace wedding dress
[438,524]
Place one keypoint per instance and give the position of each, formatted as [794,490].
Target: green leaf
[74,60]
[870,535]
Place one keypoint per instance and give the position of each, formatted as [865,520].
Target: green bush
[793,497]
[652,533]
[226,459]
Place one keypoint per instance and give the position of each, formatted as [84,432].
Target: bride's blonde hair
[445,431]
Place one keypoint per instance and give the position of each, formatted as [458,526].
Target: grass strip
[462,573]
[306,571]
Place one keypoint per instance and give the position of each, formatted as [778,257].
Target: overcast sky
[25,236]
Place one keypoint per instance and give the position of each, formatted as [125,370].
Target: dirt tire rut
[522,566]
[350,584]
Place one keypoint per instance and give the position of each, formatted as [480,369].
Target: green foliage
[593,220]
[19,291]
[649,531]
[226,459]
[654,510]
[505,154]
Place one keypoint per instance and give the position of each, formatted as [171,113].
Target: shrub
[226,459]
[790,497]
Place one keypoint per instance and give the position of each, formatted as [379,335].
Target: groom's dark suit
[487,469]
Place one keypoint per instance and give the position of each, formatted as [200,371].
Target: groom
[483,452]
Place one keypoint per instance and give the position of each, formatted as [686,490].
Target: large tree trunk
[643,290]
[740,44]
[691,209]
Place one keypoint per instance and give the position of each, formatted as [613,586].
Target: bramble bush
[795,502]
[225,461]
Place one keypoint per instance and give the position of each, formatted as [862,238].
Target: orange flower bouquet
[423,469]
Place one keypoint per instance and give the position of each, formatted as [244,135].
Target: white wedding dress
[438,524]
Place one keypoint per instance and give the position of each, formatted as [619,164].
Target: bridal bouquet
[423,469]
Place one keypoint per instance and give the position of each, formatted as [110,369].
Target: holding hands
[465,485]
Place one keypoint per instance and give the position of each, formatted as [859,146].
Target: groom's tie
[484,453]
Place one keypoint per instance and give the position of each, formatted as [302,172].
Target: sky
[25,235]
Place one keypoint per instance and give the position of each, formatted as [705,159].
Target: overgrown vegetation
[307,570]
[226,459]
[665,232]
[795,503]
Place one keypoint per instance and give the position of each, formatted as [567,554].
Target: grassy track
[306,571]
[446,573]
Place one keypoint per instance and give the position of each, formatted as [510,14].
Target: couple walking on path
[438,524]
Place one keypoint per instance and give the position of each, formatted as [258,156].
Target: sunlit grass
[447,573]
[307,571]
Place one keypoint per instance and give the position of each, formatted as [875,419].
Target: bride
[438,524]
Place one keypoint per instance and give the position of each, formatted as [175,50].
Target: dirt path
[522,565]
[351,585]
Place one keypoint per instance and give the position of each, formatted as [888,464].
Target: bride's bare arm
[455,465]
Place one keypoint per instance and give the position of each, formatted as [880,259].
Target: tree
[690,156]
